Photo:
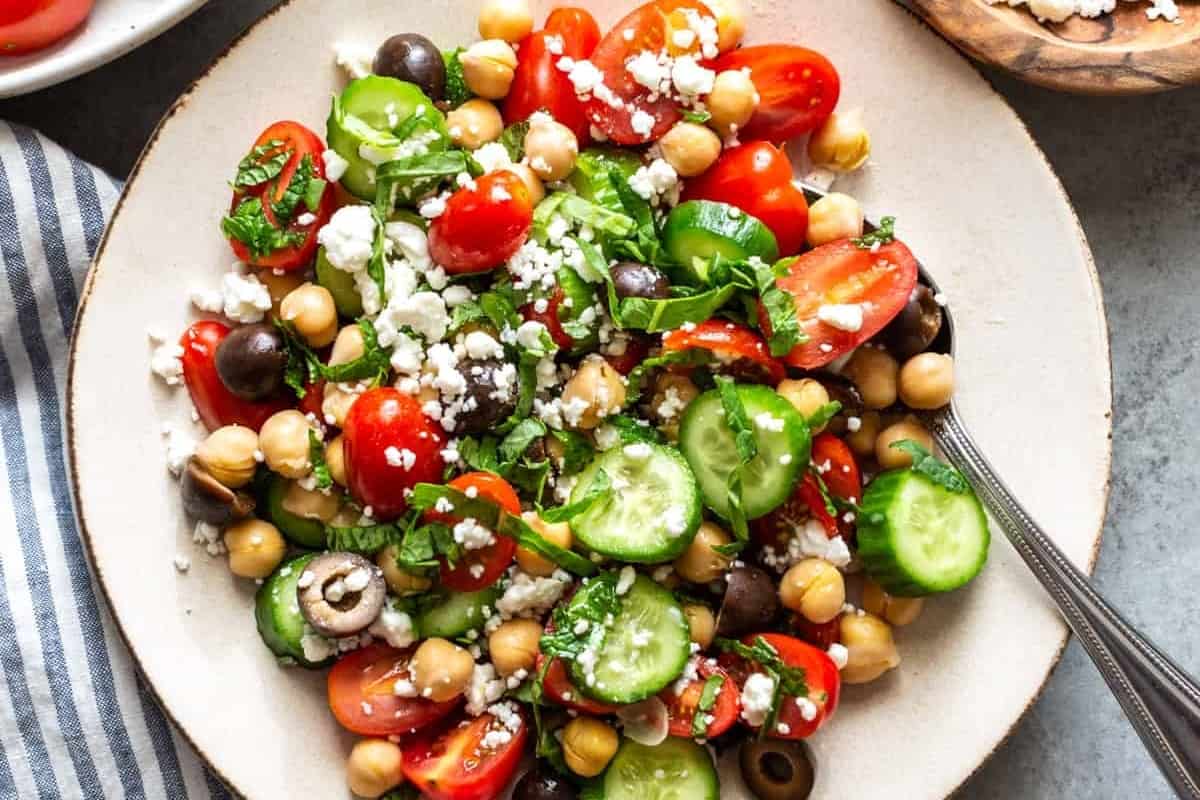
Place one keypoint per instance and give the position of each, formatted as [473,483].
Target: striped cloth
[76,721]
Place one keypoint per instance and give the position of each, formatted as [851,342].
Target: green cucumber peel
[928,465]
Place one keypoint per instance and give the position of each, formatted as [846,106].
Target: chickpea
[672,394]
[862,440]
[891,458]
[310,503]
[690,148]
[398,579]
[927,381]
[514,646]
[335,459]
[700,563]
[806,395]
[814,589]
[874,372]
[731,22]
[311,310]
[899,611]
[835,216]
[558,533]
[510,20]
[488,68]
[551,148]
[532,182]
[871,650]
[255,548]
[228,455]
[475,123]
[373,768]
[283,440]
[348,346]
[441,669]
[588,745]
[732,101]
[336,402]
[841,144]
[592,393]
[279,286]
[702,625]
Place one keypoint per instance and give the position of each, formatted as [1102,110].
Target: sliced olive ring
[207,499]
[777,769]
[340,594]
[750,602]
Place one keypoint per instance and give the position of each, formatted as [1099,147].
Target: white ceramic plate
[114,28]
[975,199]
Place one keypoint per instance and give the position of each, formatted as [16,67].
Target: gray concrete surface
[1132,168]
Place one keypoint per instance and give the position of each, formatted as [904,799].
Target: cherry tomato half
[778,527]
[820,674]
[482,226]
[28,25]
[728,341]
[757,178]
[558,687]
[216,405]
[483,567]
[651,27]
[302,143]
[841,272]
[366,679]
[550,319]
[681,708]
[383,421]
[539,85]
[452,762]
[819,634]
[838,468]
[797,89]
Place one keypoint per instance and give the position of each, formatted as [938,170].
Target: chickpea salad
[553,420]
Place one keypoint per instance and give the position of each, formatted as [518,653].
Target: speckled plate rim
[182,101]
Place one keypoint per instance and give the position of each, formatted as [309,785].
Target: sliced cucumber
[676,769]
[697,230]
[277,612]
[710,449]
[457,613]
[341,285]
[653,510]
[304,532]
[917,538]
[370,111]
[644,649]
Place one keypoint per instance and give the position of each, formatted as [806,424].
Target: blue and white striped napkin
[76,721]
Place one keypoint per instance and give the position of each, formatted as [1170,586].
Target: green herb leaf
[781,310]
[513,140]
[600,489]
[518,440]
[932,468]
[377,265]
[743,435]
[408,178]
[822,415]
[499,310]
[518,529]
[316,456]
[422,546]
[480,454]
[601,219]
[374,363]
[582,297]
[304,182]
[591,605]
[457,92]
[262,164]
[789,681]
[683,358]
[632,429]
[365,539]
[698,117]
[656,316]
[250,226]
[884,234]
[708,699]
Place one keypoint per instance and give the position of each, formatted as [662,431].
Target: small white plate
[974,198]
[114,28]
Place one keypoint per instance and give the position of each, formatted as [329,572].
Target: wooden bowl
[1124,52]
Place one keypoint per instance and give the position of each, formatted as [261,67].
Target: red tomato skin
[778,527]
[215,404]
[367,675]
[757,178]
[496,557]
[482,227]
[818,634]
[798,89]
[557,685]
[842,272]
[304,142]
[550,319]
[821,675]
[314,396]
[649,23]
[539,85]
[636,350]
[442,764]
[810,493]
[381,418]
[730,339]
[843,478]
[28,25]
[681,707]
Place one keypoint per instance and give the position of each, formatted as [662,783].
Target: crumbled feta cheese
[244,298]
[472,536]
[641,123]
[349,238]
[808,709]
[354,58]
[166,362]
[393,626]
[651,70]
[583,74]
[180,446]
[182,563]
[492,157]
[457,296]
[638,451]
[843,316]
[656,182]
[691,80]
[433,207]
[811,541]
[484,689]
[335,165]
[757,694]
[209,536]
[839,654]
[625,580]
[480,345]
[316,648]
[527,596]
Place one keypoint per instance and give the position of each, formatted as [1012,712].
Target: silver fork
[1161,701]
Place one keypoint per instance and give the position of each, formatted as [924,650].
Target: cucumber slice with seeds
[917,538]
[642,651]
[709,446]
[676,769]
[653,512]
[457,613]
[697,230]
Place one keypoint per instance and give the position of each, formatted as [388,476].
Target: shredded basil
[316,456]
[925,463]
[513,140]
[780,308]
[708,699]
[600,489]
[747,447]
[413,176]
[262,164]
[304,186]
[884,234]
[365,539]
[249,225]
[822,415]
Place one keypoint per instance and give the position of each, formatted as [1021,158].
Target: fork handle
[1161,701]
